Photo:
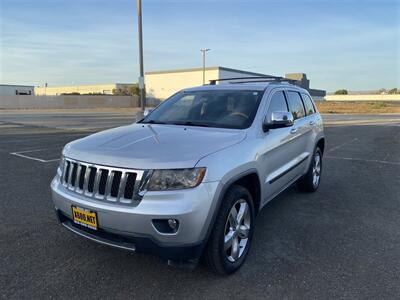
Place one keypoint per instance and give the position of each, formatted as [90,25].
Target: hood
[145,146]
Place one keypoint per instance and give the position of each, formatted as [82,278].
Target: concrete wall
[318,98]
[82,89]
[106,89]
[163,85]
[24,102]
[377,97]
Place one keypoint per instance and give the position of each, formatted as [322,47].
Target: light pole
[141,76]
[204,64]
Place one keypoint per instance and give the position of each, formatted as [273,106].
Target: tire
[226,258]
[311,180]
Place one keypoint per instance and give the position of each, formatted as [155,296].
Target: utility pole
[204,64]
[141,76]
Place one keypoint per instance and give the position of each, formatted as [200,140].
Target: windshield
[212,108]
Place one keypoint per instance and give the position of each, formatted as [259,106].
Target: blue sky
[339,44]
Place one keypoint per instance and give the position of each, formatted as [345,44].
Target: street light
[141,76]
[204,64]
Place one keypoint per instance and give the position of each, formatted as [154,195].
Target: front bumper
[135,244]
[132,228]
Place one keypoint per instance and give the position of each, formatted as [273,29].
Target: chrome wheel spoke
[317,159]
[233,217]
[235,249]
[243,210]
[228,240]
[316,169]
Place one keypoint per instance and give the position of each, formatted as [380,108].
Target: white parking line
[40,139]
[396,163]
[19,153]
[342,145]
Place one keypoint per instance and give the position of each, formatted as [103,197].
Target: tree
[341,92]
[394,91]
[382,91]
[127,90]
[70,94]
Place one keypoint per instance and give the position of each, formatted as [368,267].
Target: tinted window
[278,103]
[308,104]
[213,108]
[296,105]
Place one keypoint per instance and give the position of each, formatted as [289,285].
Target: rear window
[310,109]
[296,105]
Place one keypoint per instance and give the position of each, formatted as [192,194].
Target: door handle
[294,130]
[312,123]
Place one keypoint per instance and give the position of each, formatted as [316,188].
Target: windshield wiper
[153,122]
[190,123]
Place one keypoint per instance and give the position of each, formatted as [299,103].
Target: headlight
[175,179]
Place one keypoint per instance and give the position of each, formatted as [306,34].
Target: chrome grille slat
[114,185]
[96,182]
[65,164]
[77,177]
[71,167]
[86,180]
[121,190]
[110,178]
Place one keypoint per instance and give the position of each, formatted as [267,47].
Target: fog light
[173,224]
[166,225]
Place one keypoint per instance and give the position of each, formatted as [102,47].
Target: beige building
[304,82]
[105,89]
[161,85]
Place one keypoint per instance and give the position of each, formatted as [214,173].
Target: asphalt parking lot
[341,242]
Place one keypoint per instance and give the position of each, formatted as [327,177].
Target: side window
[308,104]
[296,105]
[278,103]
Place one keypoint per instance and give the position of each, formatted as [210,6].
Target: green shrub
[341,92]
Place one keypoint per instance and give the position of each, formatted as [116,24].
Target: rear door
[299,132]
[312,119]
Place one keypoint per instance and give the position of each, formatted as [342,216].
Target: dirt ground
[340,107]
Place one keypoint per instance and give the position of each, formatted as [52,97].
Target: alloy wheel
[316,170]
[237,229]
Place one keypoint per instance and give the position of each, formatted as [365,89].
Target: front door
[283,149]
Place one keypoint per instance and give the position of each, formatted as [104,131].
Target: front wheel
[230,241]
[311,180]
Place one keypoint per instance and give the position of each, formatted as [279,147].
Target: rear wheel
[310,182]
[229,243]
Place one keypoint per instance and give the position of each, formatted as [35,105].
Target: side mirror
[146,112]
[279,119]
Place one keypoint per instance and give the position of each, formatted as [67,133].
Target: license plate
[84,217]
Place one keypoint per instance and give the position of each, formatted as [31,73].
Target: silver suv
[189,179]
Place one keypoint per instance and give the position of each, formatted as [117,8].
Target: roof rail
[254,79]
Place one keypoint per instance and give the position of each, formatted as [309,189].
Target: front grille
[103,183]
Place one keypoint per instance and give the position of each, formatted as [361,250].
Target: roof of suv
[258,86]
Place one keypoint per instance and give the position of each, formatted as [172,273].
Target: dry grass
[358,107]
